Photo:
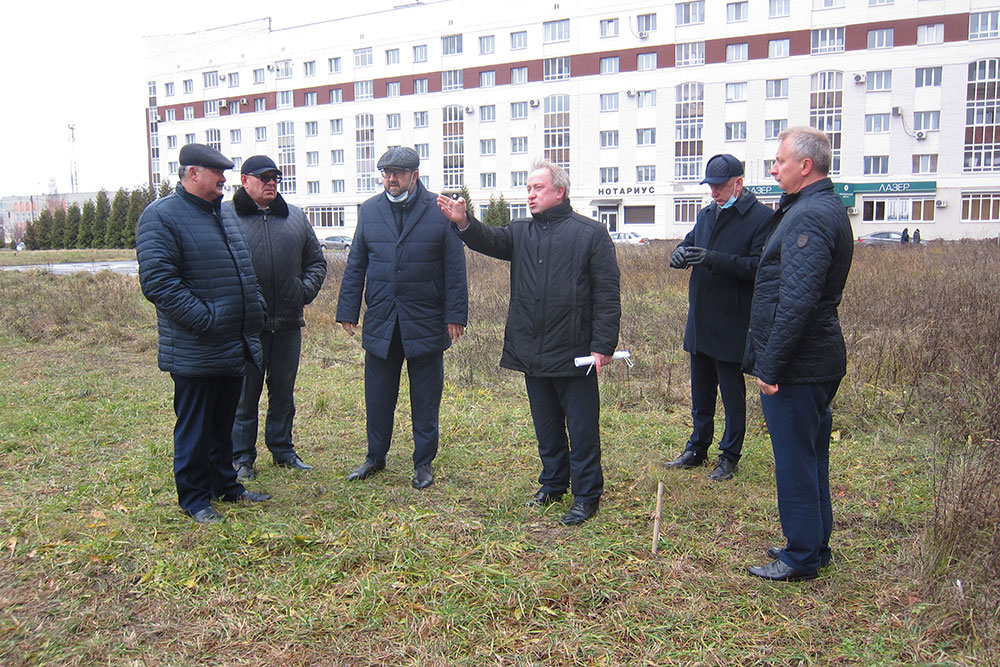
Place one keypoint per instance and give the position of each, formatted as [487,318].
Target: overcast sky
[82,63]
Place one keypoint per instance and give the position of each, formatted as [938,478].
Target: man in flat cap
[411,269]
[723,250]
[290,268]
[195,266]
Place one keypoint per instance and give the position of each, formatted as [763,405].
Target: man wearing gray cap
[411,270]
[195,267]
[723,250]
[290,268]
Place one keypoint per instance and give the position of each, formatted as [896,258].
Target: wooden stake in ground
[656,518]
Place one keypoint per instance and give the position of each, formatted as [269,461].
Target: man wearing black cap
[195,267]
[411,270]
[290,268]
[723,250]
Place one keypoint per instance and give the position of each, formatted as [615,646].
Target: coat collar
[203,204]
[558,212]
[245,205]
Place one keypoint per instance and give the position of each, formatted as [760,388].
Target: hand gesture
[453,209]
[694,255]
[677,260]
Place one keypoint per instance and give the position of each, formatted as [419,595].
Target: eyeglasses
[395,173]
[268,177]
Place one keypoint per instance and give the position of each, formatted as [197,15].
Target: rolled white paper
[589,360]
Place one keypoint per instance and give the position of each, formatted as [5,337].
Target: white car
[630,238]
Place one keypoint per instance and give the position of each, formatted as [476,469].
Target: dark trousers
[799,420]
[203,445]
[707,375]
[559,404]
[281,365]
[426,374]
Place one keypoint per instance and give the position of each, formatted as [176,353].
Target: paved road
[130,268]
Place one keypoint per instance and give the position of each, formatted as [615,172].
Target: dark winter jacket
[196,269]
[564,289]
[415,277]
[719,296]
[795,335]
[287,257]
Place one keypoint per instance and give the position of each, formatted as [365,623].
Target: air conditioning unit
[469,109]
[157,118]
[897,111]
[853,210]
[920,135]
[859,78]
[532,103]
[643,34]
[223,102]
[270,68]
[244,100]
[940,203]
[630,93]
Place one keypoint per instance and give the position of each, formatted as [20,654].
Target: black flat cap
[399,157]
[200,155]
[720,168]
[259,164]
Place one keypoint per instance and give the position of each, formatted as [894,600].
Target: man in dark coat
[290,268]
[723,249]
[795,347]
[411,269]
[564,303]
[196,269]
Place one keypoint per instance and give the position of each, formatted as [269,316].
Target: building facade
[632,98]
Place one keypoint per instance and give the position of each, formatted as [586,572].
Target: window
[518,211]
[189,139]
[337,156]
[312,128]
[188,113]
[261,133]
[772,128]
[451,45]
[488,180]
[486,45]
[336,126]
[310,99]
[980,207]
[420,86]
[736,92]
[645,23]
[609,138]
[518,110]
[736,131]
[930,34]
[779,8]
[258,76]
[925,121]
[172,140]
[928,77]
[776,89]
[336,96]
[337,186]
[609,174]
[392,56]
[393,121]
[826,110]
[827,40]
[312,159]
[880,39]
[283,69]
[645,173]
[284,99]
[364,151]
[876,123]
[326,216]
[876,165]
[487,146]
[173,167]
[556,69]
[609,102]
[487,113]
[211,108]
[609,65]
[392,89]
[169,89]
[925,164]
[875,3]
[519,144]
[260,104]
[309,68]
[188,85]
[645,99]
[518,75]
[645,62]
[690,12]
[878,81]
[234,79]
[518,179]
[897,210]
[827,4]
[420,53]
[363,57]
[768,166]
[210,79]
[518,40]
[451,79]
[313,187]
[234,107]
[363,90]
[420,119]
[609,27]
[556,133]
[423,151]
[982,109]
[333,65]
[778,48]
[982,25]
[645,136]
[691,53]
[737,11]
[556,31]
[686,210]
[737,53]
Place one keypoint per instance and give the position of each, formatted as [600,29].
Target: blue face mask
[398,198]
[732,200]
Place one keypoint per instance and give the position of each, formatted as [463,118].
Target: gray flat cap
[200,155]
[399,157]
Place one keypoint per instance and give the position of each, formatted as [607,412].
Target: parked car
[630,238]
[337,243]
[882,238]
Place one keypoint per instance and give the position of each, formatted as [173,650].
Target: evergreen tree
[57,231]
[497,213]
[137,202]
[165,188]
[102,211]
[31,235]
[72,229]
[85,235]
[42,231]
[464,193]
[115,235]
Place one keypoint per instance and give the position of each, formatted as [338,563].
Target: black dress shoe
[777,570]
[580,512]
[773,552]
[365,470]
[244,471]
[423,476]
[543,499]
[247,497]
[207,515]
[688,459]
[294,462]
[724,470]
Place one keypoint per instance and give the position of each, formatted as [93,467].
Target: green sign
[846,191]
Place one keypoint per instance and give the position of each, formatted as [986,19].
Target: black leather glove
[677,258]
[694,255]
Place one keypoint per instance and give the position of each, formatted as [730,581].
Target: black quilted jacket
[287,257]
[795,335]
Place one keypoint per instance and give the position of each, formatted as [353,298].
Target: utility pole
[73,182]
